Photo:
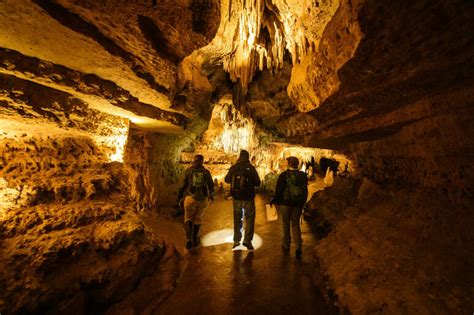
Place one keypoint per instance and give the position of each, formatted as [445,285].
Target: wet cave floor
[219,280]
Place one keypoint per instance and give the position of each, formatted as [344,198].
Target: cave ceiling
[322,73]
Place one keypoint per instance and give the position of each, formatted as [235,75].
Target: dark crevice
[203,17]
[200,9]
[77,24]
[341,142]
[158,40]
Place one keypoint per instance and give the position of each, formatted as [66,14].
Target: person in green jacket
[290,196]
[195,192]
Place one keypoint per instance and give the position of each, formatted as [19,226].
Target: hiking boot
[248,245]
[298,252]
[188,227]
[189,244]
[236,244]
[196,239]
[178,214]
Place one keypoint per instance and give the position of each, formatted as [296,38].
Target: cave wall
[403,107]
[387,83]
[152,164]
[395,250]
[69,236]
[403,112]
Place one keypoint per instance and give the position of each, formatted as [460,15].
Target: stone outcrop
[393,250]
[99,100]
[70,238]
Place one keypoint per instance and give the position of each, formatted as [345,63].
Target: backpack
[198,187]
[294,193]
[240,180]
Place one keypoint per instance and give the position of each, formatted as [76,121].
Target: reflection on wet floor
[219,280]
[226,236]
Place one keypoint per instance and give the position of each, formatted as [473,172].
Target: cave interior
[103,105]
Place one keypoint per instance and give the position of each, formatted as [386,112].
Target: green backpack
[294,193]
[198,187]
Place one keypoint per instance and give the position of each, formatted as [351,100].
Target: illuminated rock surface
[104,103]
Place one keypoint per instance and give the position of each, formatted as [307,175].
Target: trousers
[290,216]
[244,209]
[194,209]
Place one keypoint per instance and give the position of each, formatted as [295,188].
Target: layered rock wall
[152,164]
[403,112]
[69,236]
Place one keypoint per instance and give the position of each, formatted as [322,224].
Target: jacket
[279,196]
[250,173]
[186,187]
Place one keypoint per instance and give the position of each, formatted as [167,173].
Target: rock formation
[102,103]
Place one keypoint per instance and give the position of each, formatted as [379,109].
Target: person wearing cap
[243,178]
[290,196]
[195,192]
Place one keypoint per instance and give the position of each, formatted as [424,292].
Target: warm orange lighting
[247,55]
[115,140]
[237,132]
[227,236]
[8,197]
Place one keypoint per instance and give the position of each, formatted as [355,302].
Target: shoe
[177,214]
[196,239]
[298,252]
[188,227]
[189,244]
[236,244]
[248,245]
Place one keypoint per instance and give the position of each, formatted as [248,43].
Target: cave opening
[105,106]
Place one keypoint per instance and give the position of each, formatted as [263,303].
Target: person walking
[195,192]
[290,196]
[243,178]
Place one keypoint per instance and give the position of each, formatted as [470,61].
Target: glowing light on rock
[248,54]
[119,142]
[235,139]
[8,197]
[227,236]
[114,138]
[238,132]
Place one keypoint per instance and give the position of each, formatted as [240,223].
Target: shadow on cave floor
[221,281]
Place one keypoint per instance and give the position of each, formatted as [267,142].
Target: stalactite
[248,54]
[239,132]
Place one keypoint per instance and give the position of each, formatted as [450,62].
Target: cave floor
[218,280]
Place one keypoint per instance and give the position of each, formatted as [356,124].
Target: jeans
[244,208]
[291,215]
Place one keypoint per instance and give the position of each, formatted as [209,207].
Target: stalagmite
[104,105]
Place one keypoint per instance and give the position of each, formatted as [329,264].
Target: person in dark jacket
[243,178]
[195,192]
[290,196]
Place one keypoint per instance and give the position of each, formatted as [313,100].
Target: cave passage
[219,280]
[105,104]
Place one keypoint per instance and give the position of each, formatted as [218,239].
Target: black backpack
[198,187]
[294,192]
[240,180]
